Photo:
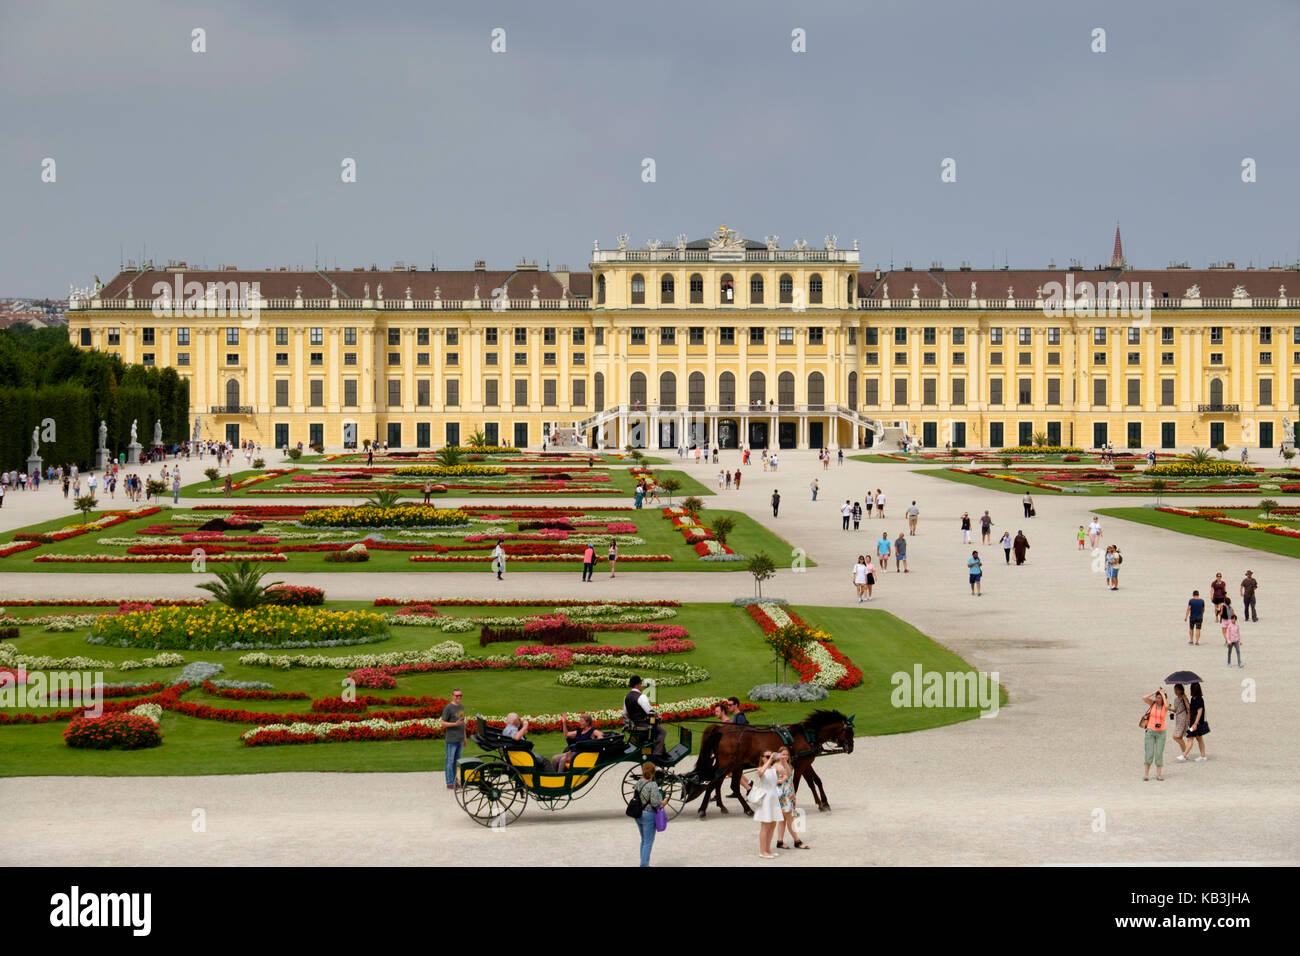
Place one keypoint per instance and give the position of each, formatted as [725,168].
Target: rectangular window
[521,336]
[318,336]
[490,337]
[1053,391]
[451,432]
[349,336]
[422,391]
[349,393]
[1134,336]
[1053,358]
[871,336]
[148,359]
[873,358]
[1054,336]
[1099,391]
[521,391]
[959,391]
[316,391]
[1026,436]
[853,336]
[1134,392]
[995,391]
[636,335]
[756,335]
[281,358]
[1098,358]
[1216,358]
[995,336]
[548,336]
[422,358]
[394,358]
[726,336]
[1134,434]
[958,336]
[182,336]
[395,392]
[784,336]
[578,336]
[1265,358]
[282,393]
[1266,391]
[667,336]
[146,337]
[1025,358]
[1134,358]
[1099,335]
[579,358]
[281,336]
[579,392]
[929,336]
[182,358]
[1166,391]
[521,358]
[394,337]
[281,434]
[453,336]
[548,392]
[394,435]
[929,358]
[422,438]
[900,335]
[548,358]
[871,391]
[453,392]
[996,431]
[349,358]
[900,391]
[696,335]
[1167,335]
[114,337]
[316,434]
[421,337]
[316,358]
[232,358]
[492,432]
[490,392]
[929,391]
[816,336]
[1026,391]
[490,358]
[1166,358]
[1216,335]
[600,338]
[232,335]
[1026,336]
[995,358]
[958,358]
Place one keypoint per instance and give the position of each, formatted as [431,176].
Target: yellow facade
[802,354]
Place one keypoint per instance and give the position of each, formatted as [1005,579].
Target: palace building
[722,340]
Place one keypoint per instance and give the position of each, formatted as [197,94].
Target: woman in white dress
[768,812]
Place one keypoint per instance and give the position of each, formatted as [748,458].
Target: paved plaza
[1055,777]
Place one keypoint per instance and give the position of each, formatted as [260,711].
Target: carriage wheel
[673,787]
[494,799]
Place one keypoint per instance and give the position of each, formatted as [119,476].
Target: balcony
[230,409]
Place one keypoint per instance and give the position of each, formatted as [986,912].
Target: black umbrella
[1183,677]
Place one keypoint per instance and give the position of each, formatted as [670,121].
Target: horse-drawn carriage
[496,785]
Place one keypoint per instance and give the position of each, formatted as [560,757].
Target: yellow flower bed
[370,516]
[215,625]
[450,471]
[1204,469]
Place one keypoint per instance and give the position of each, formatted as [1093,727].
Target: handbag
[755,796]
[1143,722]
[661,820]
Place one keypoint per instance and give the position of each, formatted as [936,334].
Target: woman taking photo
[768,810]
[785,797]
[1157,716]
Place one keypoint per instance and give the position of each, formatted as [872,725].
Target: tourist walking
[785,798]
[859,577]
[1248,587]
[857,514]
[900,553]
[976,573]
[1154,724]
[1181,715]
[1198,726]
[738,473]
[588,561]
[871,577]
[767,810]
[1112,568]
[1232,638]
[1194,614]
[613,556]
[814,489]
[1028,502]
[1094,532]
[1006,545]
[913,513]
[652,800]
[176,487]
[883,549]
[776,503]
[453,735]
[871,503]
[965,528]
[986,528]
[841,457]
[1021,547]
[1218,593]
[428,490]
[846,512]
[499,560]
[880,503]
[1080,537]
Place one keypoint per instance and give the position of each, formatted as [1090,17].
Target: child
[1081,537]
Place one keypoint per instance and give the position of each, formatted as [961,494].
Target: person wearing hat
[640,715]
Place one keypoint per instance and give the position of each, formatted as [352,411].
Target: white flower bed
[152,711]
[829,671]
[446,651]
[9,657]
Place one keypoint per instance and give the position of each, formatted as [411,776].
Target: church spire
[1117,260]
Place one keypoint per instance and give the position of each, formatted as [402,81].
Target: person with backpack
[650,799]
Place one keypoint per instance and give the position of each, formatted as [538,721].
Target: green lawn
[729,645]
[1259,540]
[979,481]
[748,537]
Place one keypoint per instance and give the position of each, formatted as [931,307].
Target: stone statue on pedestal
[157,432]
[36,440]
[103,434]
[135,439]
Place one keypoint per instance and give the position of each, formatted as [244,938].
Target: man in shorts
[976,572]
[912,514]
[1194,615]
[900,554]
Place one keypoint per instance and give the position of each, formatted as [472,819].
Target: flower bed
[822,664]
[216,627]
[369,516]
[1205,469]
[293,595]
[450,471]
[113,732]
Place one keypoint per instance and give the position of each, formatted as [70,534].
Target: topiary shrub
[294,454]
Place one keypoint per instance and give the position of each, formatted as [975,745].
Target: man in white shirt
[912,514]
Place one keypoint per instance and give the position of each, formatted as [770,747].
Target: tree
[693,505]
[212,474]
[85,504]
[762,568]
[1006,461]
[1159,486]
[721,527]
[788,643]
[1268,506]
[1221,448]
[671,486]
[239,586]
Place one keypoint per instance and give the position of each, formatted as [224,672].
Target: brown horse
[730,749]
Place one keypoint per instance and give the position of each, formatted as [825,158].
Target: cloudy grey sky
[233,155]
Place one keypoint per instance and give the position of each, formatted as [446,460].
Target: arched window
[727,389]
[785,289]
[815,289]
[816,389]
[785,388]
[850,285]
[600,290]
[666,288]
[232,394]
[695,389]
[756,289]
[757,388]
[638,289]
[636,390]
[853,390]
[697,289]
[598,389]
[667,389]
[727,289]
[1216,391]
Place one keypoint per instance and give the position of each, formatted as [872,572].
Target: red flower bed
[373,678]
[157,602]
[235,693]
[295,595]
[113,732]
[806,669]
[467,602]
[338,705]
[17,545]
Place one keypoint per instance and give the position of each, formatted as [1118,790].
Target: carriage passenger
[729,711]
[586,730]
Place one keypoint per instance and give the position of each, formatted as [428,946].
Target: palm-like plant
[1199,456]
[478,439]
[449,457]
[384,499]
[1040,439]
[239,586]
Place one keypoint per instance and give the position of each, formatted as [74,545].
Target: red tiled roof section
[993,284]
[352,285]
